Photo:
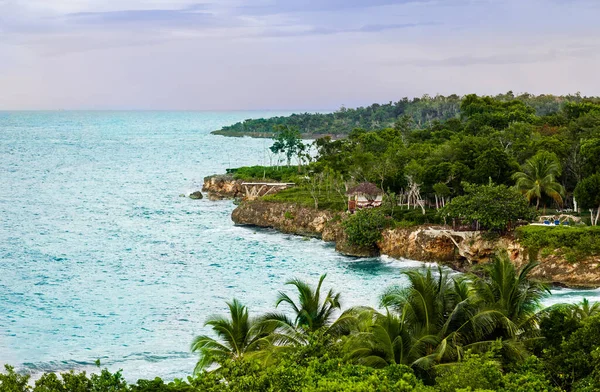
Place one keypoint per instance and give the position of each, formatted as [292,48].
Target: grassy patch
[573,242]
[302,196]
[282,173]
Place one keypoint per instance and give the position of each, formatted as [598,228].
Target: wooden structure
[364,195]
[254,190]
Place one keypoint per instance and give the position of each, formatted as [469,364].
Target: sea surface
[101,258]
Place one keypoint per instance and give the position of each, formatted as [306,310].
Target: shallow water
[102,259]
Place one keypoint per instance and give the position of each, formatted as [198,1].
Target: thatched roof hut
[365,188]
[364,195]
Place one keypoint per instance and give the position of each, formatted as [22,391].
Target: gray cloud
[499,59]
[288,6]
[125,54]
[330,31]
[189,16]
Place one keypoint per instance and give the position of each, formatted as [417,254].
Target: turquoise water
[101,258]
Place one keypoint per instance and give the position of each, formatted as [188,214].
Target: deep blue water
[102,259]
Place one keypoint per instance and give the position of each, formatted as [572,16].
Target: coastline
[461,251]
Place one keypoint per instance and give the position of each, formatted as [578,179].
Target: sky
[289,54]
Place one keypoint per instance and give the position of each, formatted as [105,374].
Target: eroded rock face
[458,250]
[417,244]
[220,187]
[555,269]
[288,218]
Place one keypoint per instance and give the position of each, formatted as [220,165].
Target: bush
[475,372]
[573,242]
[493,206]
[572,354]
[364,227]
[414,217]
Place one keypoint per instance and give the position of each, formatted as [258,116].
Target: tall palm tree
[312,313]
[239,336]
[435,319]
[512,293]
[538,178]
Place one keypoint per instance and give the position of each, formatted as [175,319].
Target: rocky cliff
[458,250]
[222,186]
[225,186]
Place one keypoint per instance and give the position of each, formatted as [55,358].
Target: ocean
[101,258]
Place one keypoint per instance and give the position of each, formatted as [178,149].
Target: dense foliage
[491,207]
[484,332]
[587,194]
[420,111]
[494,139]
[573,242]
[364,228]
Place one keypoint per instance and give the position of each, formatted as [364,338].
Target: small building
[364,195]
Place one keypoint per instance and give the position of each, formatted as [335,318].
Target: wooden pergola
[253,190]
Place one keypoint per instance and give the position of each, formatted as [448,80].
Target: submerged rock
[196,195]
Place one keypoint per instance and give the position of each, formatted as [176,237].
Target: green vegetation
[542,150]
[587,193]
[304,197]
[417,112]
[573,243]
[438,333]
[287,141]
[491,207]
[249,173]
[364,228]
[538,178]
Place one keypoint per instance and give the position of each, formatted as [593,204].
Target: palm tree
[511,293]
[585,309]
[436,319]
[538,178]
[311,313]
[239,336]
[387,341]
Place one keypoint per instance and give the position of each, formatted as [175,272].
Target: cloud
[251,54]
[375,28]
[289,6]
[500,59]
[192,15]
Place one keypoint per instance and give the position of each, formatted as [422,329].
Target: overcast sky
[289,54]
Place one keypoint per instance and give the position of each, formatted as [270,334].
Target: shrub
[475,372]
[364,227]
[493,206]
[573,242]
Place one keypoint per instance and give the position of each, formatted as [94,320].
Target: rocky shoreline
[458,250]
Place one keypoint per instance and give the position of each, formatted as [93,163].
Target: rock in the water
[196,195]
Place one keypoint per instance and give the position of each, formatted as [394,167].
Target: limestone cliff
[287,218]
[458,250]
[225,186]
[220,187]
